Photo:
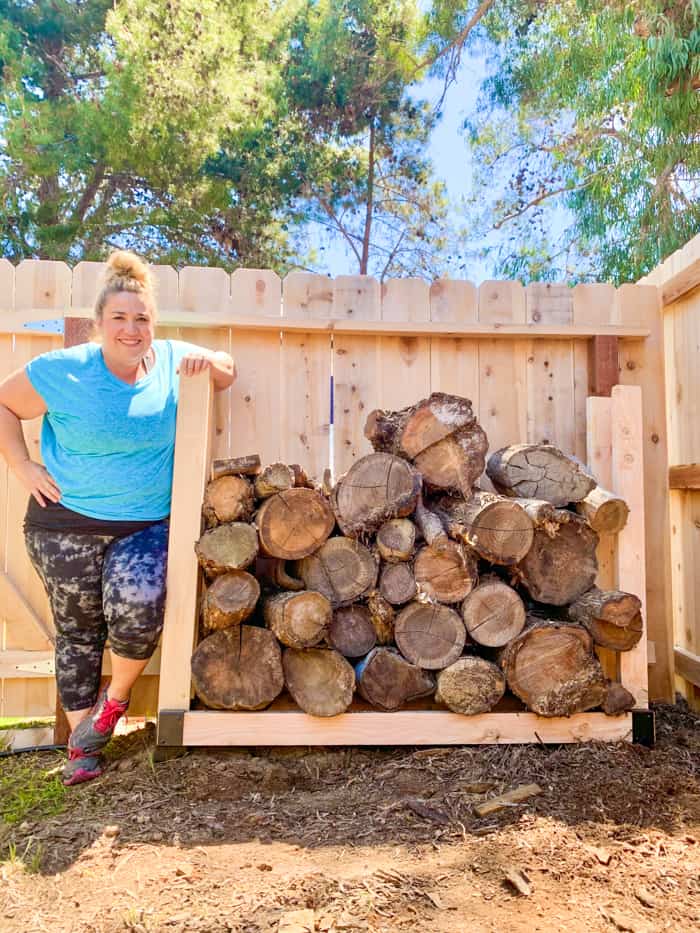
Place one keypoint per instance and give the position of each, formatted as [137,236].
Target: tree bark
[382,616]
[387,680]
[319,680]
[432,637]
[539,471]
[342,569]
[613,618]
[561,564]
[496,527]
[351,631]
[238,668]
[430,524]
[229,600]
[470,686]
[299,620]
[553,669]
[446,574]
[236,466]
[617,700]
[294,523]
[233,546]
[493,613]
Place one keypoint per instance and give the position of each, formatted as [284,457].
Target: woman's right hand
[37,480]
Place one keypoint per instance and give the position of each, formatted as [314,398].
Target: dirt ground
[365,840]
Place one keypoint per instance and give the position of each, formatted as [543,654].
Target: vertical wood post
[603,365]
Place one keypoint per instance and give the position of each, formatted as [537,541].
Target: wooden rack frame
[615,436]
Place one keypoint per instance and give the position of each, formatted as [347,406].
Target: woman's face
[127,328]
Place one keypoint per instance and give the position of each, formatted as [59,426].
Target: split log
[294,523]
[396,540]
[605,512]
[617,700]
[410,431]
[376,488]
[228,499]
[387,680]
[456,463]
[319,680]
[496,527]
[229,600]
[342,569]
[430,525]
[382,617]
[273,570]
[446,573]
[351,631]
[233,546]
[430,636]
[613,618]
[299,620]
[397,584]
[277,477]
[561,564]
[470,686]
[539,471]
[238,668]
[493,613]
[236,466]
[553,669]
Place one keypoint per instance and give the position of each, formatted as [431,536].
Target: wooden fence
[678,280]
[529,358]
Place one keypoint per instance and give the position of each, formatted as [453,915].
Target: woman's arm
[222,366]
[19,401]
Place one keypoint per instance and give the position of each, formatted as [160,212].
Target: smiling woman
[96,524]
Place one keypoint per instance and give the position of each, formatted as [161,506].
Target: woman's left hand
[194,363]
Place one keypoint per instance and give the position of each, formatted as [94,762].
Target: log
[539,471]
[300,476]
[430,524]
[412,430]
[493,613]
[613,618]
[238,668]
[387,680]
[553,669]
[351,631]
[236,466]
[446,574]
[396,540]
[233,546]
[455,463]
[430,636]
[382,617]
[496,527]
[229,600]
[228,499]
[561,564]
[294,523]
[342,569]
[299,620]
[605,512]
[277,477]
[319,680]
[470,686]
[273,570]
[376,488]
[617,700]
[397,584]
[544,514]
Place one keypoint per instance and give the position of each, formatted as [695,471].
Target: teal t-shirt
[109,445]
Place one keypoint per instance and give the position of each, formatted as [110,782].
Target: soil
[367,840]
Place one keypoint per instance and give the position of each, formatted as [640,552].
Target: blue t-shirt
[109,445]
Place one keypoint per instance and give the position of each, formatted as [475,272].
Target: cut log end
[233,546]
[470,686]
[387,680]
[342,569]
[294,523]
[612,617]
[429,636]
[351,631]
[229,600]
[238,669]
[319,680]
[299,620]
[445,573]
[493,613]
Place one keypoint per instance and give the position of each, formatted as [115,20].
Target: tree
[589,132]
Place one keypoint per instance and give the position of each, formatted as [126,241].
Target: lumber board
[404,364]
[403,727]
[454,362]
[678,274]
[684,476]
[687,665]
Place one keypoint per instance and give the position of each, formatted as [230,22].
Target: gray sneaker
[81,767]
[92,734]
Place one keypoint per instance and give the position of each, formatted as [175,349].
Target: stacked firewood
[407,580]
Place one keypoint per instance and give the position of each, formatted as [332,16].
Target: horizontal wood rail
[34,321]
[29,665]
[684,476]
[687,665]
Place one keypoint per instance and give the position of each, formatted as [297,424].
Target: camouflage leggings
[100,587]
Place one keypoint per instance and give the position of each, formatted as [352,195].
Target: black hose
[32,748]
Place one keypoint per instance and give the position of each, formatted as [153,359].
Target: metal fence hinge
[49,326]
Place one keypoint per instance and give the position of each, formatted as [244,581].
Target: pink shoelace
[111,713]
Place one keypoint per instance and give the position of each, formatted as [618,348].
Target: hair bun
[123,264]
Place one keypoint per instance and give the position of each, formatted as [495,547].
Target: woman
[96,523]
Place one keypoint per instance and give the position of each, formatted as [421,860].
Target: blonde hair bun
[123,264]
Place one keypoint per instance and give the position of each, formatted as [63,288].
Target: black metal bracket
[643,727]
[170,727]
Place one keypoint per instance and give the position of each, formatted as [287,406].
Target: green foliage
[26,790]
[590,122]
